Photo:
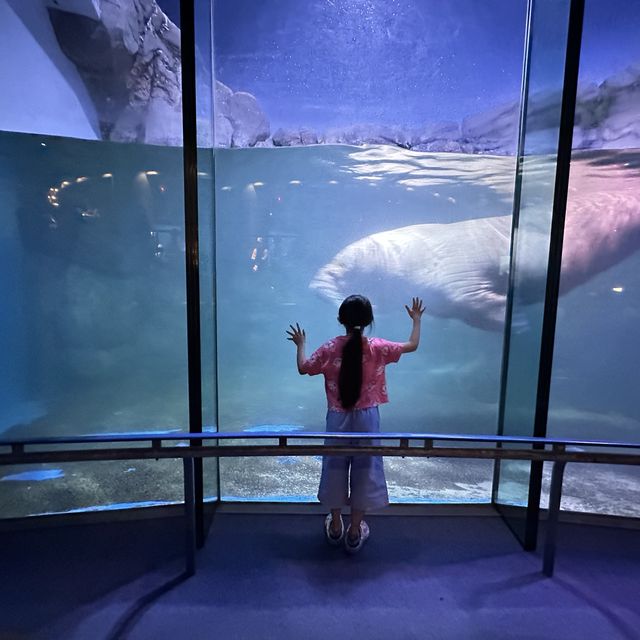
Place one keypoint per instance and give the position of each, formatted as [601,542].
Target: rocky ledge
[607,117]
[128,55]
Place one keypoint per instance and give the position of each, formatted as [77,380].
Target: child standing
[353,369]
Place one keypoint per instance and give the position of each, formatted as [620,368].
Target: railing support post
[555,497]
[190,515]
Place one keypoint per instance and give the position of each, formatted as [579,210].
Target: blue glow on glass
[34,476]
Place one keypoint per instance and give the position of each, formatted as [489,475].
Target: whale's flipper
[479,305]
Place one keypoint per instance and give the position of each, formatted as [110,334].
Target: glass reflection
[98,297]
[597,347]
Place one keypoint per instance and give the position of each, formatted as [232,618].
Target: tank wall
[381,164]
[378,176]
[96,328]
[93,253]
[594,390]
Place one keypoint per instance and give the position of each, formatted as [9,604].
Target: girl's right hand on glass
[296,334]
[416,310]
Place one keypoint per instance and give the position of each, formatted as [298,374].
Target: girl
[353,369]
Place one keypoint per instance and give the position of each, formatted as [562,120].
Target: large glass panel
[206,223]
[535,182]
[364,147]
[597,349]
[92,241]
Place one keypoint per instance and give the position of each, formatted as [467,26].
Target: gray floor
[273,576]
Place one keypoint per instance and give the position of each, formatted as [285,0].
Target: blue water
[281,215]
[97,327]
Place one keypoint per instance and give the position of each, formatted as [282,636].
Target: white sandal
[362,538]
[327,531]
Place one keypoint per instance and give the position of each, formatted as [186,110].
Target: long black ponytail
[355,314]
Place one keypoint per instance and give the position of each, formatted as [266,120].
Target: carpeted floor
[273,576]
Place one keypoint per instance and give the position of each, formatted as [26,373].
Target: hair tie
[358,327]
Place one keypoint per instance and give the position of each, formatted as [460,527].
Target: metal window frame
[565,144]
[192,249]
[576,15]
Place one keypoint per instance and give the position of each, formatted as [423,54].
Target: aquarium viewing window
[389,148]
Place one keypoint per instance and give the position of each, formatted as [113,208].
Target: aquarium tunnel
[155,245]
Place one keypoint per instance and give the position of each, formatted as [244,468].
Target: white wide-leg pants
[353,480]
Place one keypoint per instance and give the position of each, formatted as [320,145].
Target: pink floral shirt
[376,354]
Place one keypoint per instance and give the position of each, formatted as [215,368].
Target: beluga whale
[461,269]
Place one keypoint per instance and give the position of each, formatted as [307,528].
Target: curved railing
[240,444]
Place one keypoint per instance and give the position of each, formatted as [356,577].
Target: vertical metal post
[570,83]
[215,259]
[515,217]
[565,146]
[189,516]
[555,498]
[190,163]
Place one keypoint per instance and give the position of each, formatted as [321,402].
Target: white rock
[222,96]
[224,131]
[286,138]
[307,136]
[143,104]
[250,125]
[163,124]
[436,131]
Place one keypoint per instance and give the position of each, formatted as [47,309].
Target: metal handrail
[561,452]
[311,435]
